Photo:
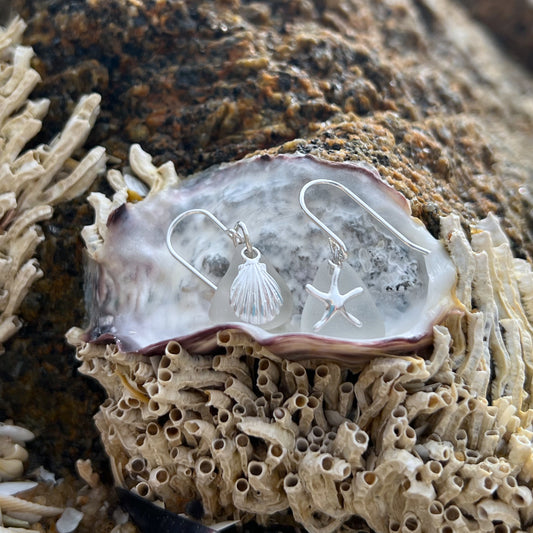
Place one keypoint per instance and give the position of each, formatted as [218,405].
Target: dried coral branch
[32,181]
[12,505]
[12,451]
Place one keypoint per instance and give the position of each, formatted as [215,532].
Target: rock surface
[511,22]
[412,87]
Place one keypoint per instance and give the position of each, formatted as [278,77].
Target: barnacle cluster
[14,510]
[405,443]
[33,180]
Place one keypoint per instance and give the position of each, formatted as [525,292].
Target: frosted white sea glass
[251,293]
[361,306]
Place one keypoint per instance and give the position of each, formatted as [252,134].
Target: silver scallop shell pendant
[252,291]
[254,294]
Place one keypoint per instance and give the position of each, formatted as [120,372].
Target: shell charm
[255,296]
[335,301]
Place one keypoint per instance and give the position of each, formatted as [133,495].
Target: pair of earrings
[252,291]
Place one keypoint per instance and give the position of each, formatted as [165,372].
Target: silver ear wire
[252,289]
[333,300]
[237,237]
[337,243]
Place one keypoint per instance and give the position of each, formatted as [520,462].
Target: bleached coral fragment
[13,455]
[14,433]
[34,180]
[158,178]
[32,512]
[459,250]
[11,468]
[524,278]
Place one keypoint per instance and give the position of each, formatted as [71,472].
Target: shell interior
[141,296]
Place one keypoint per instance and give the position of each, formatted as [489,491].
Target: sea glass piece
[251,291]
[367,321]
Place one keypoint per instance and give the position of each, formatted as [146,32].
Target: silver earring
[352,313]
[251,290]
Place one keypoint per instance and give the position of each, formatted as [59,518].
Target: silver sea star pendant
[334,301]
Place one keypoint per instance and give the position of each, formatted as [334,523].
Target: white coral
[16,511]
[34,180]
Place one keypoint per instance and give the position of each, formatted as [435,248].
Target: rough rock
[510,21]
[412,87]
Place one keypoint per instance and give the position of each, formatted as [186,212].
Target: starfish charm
[334,301]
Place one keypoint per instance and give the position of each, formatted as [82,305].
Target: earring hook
[250,290]
[339,250]
[239,235]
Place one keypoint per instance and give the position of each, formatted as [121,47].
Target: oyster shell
[142,297]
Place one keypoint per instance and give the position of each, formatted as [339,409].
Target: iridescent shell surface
[140,296]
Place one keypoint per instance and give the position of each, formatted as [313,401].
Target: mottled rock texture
[511,22]
[411,86]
